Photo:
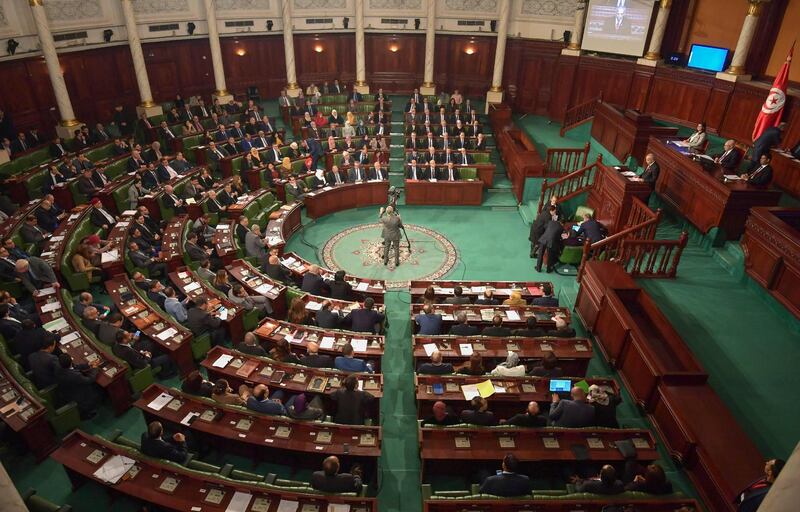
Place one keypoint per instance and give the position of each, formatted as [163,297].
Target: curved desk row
[344,197]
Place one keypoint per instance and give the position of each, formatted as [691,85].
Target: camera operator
[391,233]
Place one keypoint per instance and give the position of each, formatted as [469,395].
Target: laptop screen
[560,385]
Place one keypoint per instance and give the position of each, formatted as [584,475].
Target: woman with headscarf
[294,151]
[307,120]
[515,299]
[605,406]
[286,167]
[320,120]
[256,157]
[511,368]
[348,130]
[335,118]
[319,180]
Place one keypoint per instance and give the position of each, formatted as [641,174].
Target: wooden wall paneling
[563,86]
[678,14]
[455,69]
[179,67]
[397,71]
[680,96]
[640,87]
[337,60]
[609,76]
[769,24]
[27,95]
[530,64]
[745,104]
[254,62]
[718,104]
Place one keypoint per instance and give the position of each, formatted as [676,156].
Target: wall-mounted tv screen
[709,58]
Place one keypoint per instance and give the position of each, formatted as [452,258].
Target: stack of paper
[239,502]
[114,468]
[430,348]
[56,325]
[362,286]
[327,342]
[359,344]
[222,361]
[465,348]
[164,335]
[160,401]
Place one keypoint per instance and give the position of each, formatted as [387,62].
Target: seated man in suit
[430,323]
[575,413]
[356,173]
[336,176]
[530,418]
[651,170]
[762,174]
[508,482]
[275,270]
[327,318]
[730,158]
[57,148]
[100,217]
[441,415]
[436,366]
[547,298]
[52,179]
[77,384]
[313,359]
[200,322]
[487,298]
[312,281]
[44,364]
[194,250]
[478,413]
[749,500]
[164,171]
[365,319]
[458,297]
[85,299]
[590,229]
[137,353]
[462,328]
[348,363]
[297,188]
[47,217]
[417,172]
[153,445]
[31,233]
[215,154]
[497,328]
[154,266]
[605,483]
[331,481]
[35,274]
[532,329]
[249,345]
[172,201]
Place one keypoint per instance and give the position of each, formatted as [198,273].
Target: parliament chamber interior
[399,255]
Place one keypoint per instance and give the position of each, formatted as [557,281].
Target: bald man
[530,418]
[330,480]
[730,158]
[314,359]
[575,413]
[441,416]
[436,366]
[312,281]
[275,270]
[250,346]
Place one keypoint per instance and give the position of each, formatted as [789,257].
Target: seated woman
[298,314]
[272,174]
[195,384]
[188,128]
[82,262]
[281,352]
[510,368]
[697,140]
[474,366]
[286,168]
[320,120]
[548,368]
[307,120]
[515,299]
[221,282]
[96,247]
[222,393]
[256,156]
[238,186]
[429,297]
[651,479]
[605,406]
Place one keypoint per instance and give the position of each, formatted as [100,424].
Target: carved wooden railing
[610,248]
[652,258]
[563,161]
[569,186]
[580,114]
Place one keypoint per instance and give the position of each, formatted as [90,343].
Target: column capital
[36,3]
[755,7]
[665,4]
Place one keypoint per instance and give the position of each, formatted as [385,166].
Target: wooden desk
[702,197]
[611,197]
[301,335]
[626,133]
[282,224]
[15,221]
[654,504]
[344,197]
[478,314]
[362,286]
[152,322]
[106,194]
[485,170]
[459,193]
[597,277]
[150,200]
[519,154]
[189,284]
[474,289]
[225,242]
[30,420]
[518,392]
[193,487]
[258,283]
[54,246]
[771,246]
[172,242]
[112,374]
[355,443]
[244,201]
[296,379]
[573,354]
[701,433]
[118,238]
[195,210]
[786,172]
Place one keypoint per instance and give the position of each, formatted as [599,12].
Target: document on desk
[164,335]
[239,502]
[160,401]
[430,348]
[359,344]
[288,506]
[56,325]
[470,391]
[222,361]
[338,507]
[732,177]
[51,306]
[513,316]
[109,256]
[327,342]
[362,287]
[465,349]
[485,388]
[191,287]
[114,469]
[69,337]
[313,306]
[264,289]
[680,143]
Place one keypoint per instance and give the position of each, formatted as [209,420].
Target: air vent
[318,21]
[248,23]
[70,36]
[163,28]
[471,23]
[394,21]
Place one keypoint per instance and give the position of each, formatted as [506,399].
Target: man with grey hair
[392,224]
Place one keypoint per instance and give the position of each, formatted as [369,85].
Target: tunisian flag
[772,109]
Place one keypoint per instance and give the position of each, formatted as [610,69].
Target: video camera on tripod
[394,195]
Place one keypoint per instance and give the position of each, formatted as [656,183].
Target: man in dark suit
[331,481]
[312,281]
[57,148]
[450,173]
[46,216]
[44,365]
[575,413]
[749,500]
[135,353]
[86,185]
[242,229]
[35,274]
[547,299]
[532,329]
[52,179]
[20,144]
[155,267]
[605,483]
[436,366]
[462,328]
[508,483]
[136,161]
[487,298]
[768,139]
[275,270]
[365,319]
[193,249]
[590,229]
[478,413]
[215,154]
[200,322]
[153,445]
[78,385]
[730,158]
[249,345]
[315,150]
[651,170]
[762,174]
[417,172]
[313,359]
[497,328]
[100,217]
[551,244]
[351,403]
[9,326]
[327,318]
[530,418]
[458,297]
[538,226]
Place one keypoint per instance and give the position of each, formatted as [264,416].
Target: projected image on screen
[617,26]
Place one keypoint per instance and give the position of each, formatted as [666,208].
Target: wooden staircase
[580,114]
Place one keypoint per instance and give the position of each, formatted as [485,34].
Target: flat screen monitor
[560,385]
[708,58]
[617,26]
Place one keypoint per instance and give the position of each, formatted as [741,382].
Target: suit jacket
[44,366]
[312,284]
[57,150]
[47,219]
[317,361]
[650,174]
[277,272]
[464,330]
[351,175]
[421,173]
[43,272]
[351,406]
[195,252]
[254,247]
[730,160]
[32,234]
[341,482]
[762,175]
[200,321]
[551,238]
[507,484]
[364,320]
[483,418]
[572,414]
[98,219]
[327,319]
[591,229]
[50,182]
[164,449]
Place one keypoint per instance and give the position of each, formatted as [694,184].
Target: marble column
[361,66]
[292,89]
[68,121]
[495,93]
[574,47]
[221,93]
[653,54]
[737,70]
[428,87]
[147,106]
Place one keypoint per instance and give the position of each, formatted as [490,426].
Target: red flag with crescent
[772,109]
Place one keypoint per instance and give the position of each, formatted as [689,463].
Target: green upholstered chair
[36,503]
[580,211]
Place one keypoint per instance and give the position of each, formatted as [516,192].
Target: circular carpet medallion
[359,251]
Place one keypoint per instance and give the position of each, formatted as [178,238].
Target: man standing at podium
[390,234]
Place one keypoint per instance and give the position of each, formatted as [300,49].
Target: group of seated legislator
[443,172]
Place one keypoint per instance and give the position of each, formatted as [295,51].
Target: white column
[574,47]
[737,70]
[653,54]
[221,93]
[495,93]
[292,89]
[428,87]
[68,121]
[139,68]
[361,66]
